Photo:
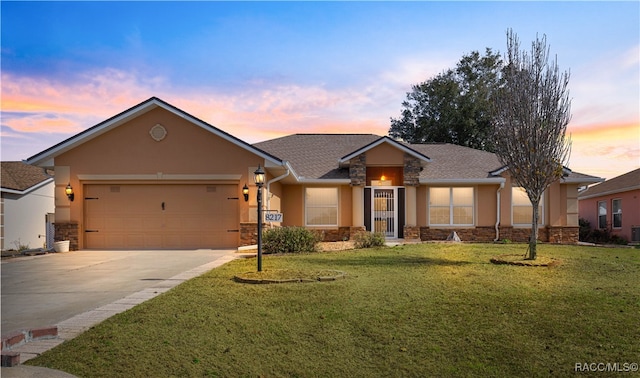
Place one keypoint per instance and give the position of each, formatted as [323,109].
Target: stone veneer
[67,231]
[358,170]
[411,232]
[558,235]
[333,234]
[249,233]
[411,170]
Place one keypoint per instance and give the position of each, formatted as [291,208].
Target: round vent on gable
[158,132]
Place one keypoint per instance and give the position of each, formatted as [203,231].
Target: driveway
[45,290]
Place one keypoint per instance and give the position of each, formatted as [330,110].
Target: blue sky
[259,70]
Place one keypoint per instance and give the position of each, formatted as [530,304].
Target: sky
[260,70]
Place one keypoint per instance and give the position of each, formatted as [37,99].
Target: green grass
[414,310]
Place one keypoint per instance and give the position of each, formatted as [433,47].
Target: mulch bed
[519,260]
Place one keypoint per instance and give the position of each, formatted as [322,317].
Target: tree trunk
[533,240]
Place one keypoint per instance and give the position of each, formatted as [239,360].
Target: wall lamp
[69,192]
[245,192]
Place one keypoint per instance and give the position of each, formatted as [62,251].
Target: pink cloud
[40,105]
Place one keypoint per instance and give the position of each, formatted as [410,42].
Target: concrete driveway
[44,290]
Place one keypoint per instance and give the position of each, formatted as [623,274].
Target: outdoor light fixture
[258,178]
[69,192]
[245,192]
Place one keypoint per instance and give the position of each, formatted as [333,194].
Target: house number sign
[273,217]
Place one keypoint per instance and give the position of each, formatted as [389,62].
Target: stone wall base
[249,233]
[67,231]
[557,235]
[563,235]
[333,234]
[412,232]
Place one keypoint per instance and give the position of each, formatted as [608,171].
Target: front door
[384,206]
[384,210]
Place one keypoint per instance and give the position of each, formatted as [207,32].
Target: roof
[623,183]
[316,156]
[19,177]
[451,163]
[45,158]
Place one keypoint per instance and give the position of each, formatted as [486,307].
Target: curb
[10,358]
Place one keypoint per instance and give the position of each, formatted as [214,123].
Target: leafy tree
[454,106]
[532,111]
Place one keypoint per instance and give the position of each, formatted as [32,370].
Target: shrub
[369,239]
[598,236]
[289,240]
[585,229]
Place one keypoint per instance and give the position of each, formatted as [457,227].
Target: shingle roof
[19,176]
[453,162]
[315,156]
[622,183]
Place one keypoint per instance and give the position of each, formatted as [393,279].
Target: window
[321,205]
[451,206]
[602,214]
[521,208]
[616,211]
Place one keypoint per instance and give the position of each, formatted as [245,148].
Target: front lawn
[415,310]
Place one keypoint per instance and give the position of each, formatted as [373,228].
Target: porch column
[357,206]
[411,206]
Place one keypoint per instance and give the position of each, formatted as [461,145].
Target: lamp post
[258,178]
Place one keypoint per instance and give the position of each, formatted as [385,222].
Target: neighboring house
[27,206]
[154,176]
[614,205]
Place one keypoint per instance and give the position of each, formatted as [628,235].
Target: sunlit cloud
[604,127]
[256,113]
[595,147]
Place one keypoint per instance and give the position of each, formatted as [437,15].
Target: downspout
[286,165]
[498,212]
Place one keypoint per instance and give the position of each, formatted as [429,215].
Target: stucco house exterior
[155,176]
[26,206]
[614,205]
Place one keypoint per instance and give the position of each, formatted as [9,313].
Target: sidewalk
[76,325]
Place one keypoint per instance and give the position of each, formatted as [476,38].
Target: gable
[385,141]
[385,155]
[156,141]
[46,157]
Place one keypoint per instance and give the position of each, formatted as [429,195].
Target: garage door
[161,216]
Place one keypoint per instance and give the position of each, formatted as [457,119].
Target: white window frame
[614,213]
[602,205]
[540,212]
[336,207]
[452,207]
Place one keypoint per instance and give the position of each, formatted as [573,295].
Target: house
[27,206]
[155,176]
[614,205]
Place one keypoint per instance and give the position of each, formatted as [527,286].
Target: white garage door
[161,216]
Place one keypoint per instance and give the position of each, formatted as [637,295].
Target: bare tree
[531,116]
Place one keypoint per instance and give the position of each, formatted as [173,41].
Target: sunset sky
[260,70]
